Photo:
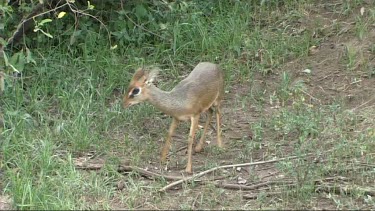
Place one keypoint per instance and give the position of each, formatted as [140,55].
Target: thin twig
[147,173]
[195,200]
[255,196]
[227,166]
[322,78]
[312,97]
[337,189]
[346,86]
[270,174]
[122,169]
[362,104]
[143,28]
[92,16]
[251,187]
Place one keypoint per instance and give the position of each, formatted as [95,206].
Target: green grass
[60,111]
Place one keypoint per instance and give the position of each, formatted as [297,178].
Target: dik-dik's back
[202,89]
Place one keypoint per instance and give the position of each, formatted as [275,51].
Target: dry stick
[141,171]
[195,200]
[362,104]
[255,196]
[146,173]
[314,98]
[224,167]
[251,187]
[337,189]
[288,183]
[320,187]
[270,175]
[322,78]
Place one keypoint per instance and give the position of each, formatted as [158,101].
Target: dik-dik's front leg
[167,143]
[193,128]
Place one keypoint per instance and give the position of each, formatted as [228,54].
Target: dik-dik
[201,91]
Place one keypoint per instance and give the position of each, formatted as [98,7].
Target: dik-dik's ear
[139,76]
[151,76]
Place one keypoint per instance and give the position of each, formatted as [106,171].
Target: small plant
[351,56]
[258,131]
[284,91]
[361,27]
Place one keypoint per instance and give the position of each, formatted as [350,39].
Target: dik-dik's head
[139,87]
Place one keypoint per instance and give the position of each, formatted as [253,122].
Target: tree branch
[225,167]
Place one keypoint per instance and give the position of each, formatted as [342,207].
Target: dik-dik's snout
[125,104]
[128,102]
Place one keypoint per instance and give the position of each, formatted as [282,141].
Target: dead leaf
[362,10]
[308,71]
[5,202]
[313,50]
[241,180]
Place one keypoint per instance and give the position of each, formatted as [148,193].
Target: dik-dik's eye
[136,91]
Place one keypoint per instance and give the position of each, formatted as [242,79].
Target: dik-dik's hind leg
[200,144]
[167,143]
[193,128]
[218,128]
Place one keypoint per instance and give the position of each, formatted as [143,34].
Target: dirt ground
[328,80]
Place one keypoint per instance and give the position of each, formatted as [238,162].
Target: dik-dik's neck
[167,102]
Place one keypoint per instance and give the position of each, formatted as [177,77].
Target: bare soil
[329,81]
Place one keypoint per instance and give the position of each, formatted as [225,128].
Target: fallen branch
[256,195]
[251,187]
[289,183]
[145,173]
[123,169]
[353,109]
[225,167]
[195,200]
[345,190]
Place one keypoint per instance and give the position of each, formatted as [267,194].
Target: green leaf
[61,14]
[18,60]
[2,83]
[90,6]
[113,47]
[7,63]
[47,20]
[47,34]
[3,42]
[29,57]
[140,11]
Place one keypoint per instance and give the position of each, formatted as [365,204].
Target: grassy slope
[64,109]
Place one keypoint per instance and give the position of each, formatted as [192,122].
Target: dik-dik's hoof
[188,171]
[198,148]
[163,156]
